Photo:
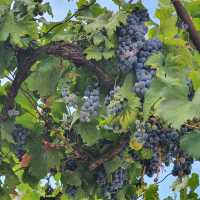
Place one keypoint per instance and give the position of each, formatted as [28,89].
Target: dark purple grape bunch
[71,191]
[110,188]
[182,164]
[20,136]
[91,104]
[131,39]
[70,164]
[145,74]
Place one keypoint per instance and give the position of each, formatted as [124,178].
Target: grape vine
[93,106]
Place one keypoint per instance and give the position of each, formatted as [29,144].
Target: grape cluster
[117,106]
[90,107]
[114,102]
[131,39]
[134,50]
[109,189]
[144,73]
[164,143]
[68,97]
[182,164]
[111,95]
[70,164]
[71,190]
[20,136]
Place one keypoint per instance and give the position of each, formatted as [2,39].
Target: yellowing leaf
[134,144]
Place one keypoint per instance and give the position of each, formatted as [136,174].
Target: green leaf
[6,129]
[168,26]
[171,108]
[88,132]
[155,61]
[134,171]
[98,38]
[194,75]
[152,193]
[26,120]
[4,194]
[190,143]
[45,78]
[93,53]
[107,21]
[146,154]
[28,193]
[71,178]
[117,19]
[11,179]
[193,7]
[128,117]
[193,182]
[112,165]
[168,97]
[108,54]
[7,58]
[48,159]
[14,29]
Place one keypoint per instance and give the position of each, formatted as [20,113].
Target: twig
[68,18]
[182,13]
[164,178]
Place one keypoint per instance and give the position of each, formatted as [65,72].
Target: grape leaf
[193,181]
[155,61]
[193,7]
[7,58]
[71,178]
[48,159]
[112,165]
[28,193]
[3,193]
[151,193]
[168,26]
[14,29]
[6,129]
[117,19]
[93,53]
[194,75]
[168,97]
[171,108]
[45,78]
[11,179]
[190,143]
[88,132]
[128,117]
[108,21]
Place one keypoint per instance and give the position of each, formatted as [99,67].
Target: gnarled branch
[61,49]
